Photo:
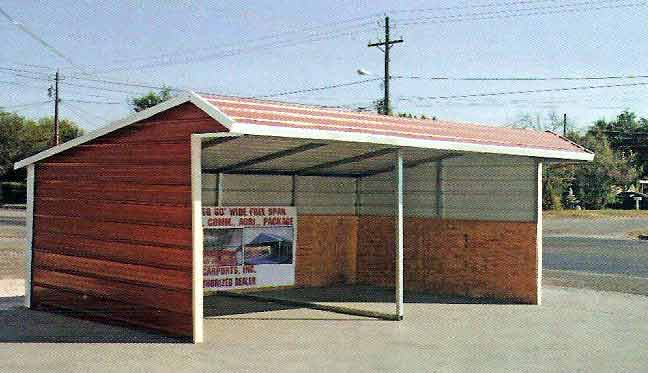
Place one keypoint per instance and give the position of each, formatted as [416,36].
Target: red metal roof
[280,114]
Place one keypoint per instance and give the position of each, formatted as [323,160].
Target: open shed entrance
[374,220]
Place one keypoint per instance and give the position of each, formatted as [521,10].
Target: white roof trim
[195,99]
[317,134]
[264,130]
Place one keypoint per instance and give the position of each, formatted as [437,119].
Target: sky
[255,48]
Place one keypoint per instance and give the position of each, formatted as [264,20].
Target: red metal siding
[112,232]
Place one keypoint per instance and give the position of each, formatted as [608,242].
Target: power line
[21,84]
[255,40]
[339,85]
[82,110]
[220,54]
[40,40]
[80,114]
[412,98]
[25,105]
[608,77]
[102,88]
[514,10]
[81,101]
[473,6]
[520,13]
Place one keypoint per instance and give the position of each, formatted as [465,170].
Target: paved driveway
[575,330]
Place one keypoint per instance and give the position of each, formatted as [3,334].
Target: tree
[550,121]
[378,106]
[593,181]
[151,99]
[11,140]
[556,179]
[22,137]
[627,135]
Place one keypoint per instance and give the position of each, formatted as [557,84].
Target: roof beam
[285,173]
[411,164]
[209,143]
[265,158]
[313,169]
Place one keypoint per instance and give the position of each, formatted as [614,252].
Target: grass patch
[595,214]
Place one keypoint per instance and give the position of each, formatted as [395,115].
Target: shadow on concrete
[21,325]
[220,305]
[369,294]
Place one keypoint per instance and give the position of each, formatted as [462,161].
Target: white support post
[219,186]
[29,220]
[398,217]
[197,238]
[539,232]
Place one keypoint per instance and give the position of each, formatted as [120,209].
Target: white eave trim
[316,134]
[195,99]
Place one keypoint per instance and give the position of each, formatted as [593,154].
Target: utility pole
[57,136]
[565,125]
[56,139]
[387,43]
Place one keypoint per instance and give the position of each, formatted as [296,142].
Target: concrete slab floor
[574,330]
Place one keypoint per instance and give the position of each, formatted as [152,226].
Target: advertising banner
[249,247]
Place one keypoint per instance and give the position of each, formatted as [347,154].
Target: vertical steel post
[398,217]
[29,231]
[538,218]
[197,238]
[219,186]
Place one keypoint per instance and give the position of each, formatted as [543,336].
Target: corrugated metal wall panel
[478,187]
[209,189]
[314,194]
[486,187]
[377,192]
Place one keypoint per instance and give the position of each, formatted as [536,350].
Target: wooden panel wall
[495,259]
[326,250]
[112,234]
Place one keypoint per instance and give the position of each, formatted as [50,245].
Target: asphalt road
[597,255]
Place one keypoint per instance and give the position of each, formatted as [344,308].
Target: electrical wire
[35,36]
[608,77]
[26,105]
[339,85]
[515,10]
[22,84]
[81,101]
[220,54]
[556,10]
[255,40]
[80,114]
[472,6]
[421,98]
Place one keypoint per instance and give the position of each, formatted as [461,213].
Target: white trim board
[197,240]
[195,99]
[29,233]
